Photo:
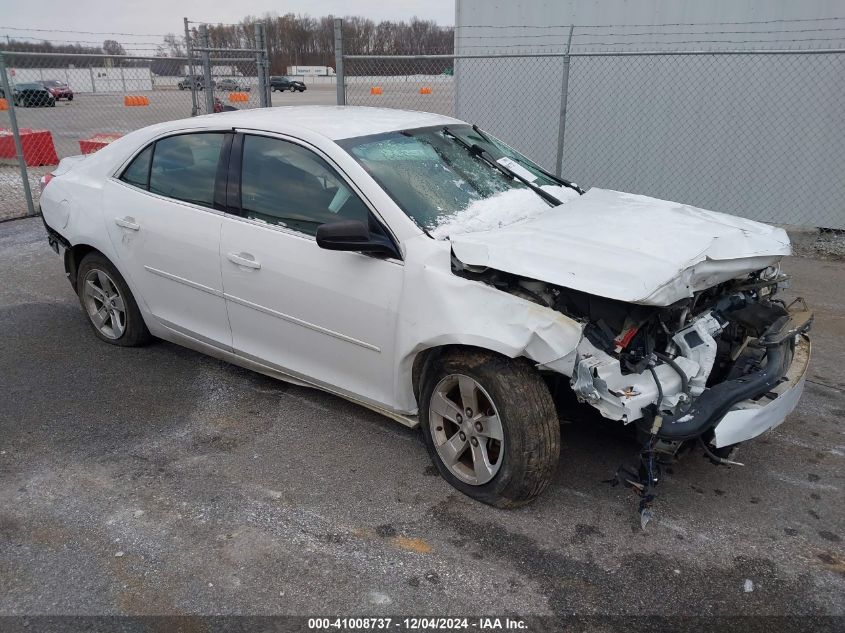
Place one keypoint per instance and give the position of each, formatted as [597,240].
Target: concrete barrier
[38,147]
[97,142]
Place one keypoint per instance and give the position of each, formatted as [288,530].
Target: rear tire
[108,303]
[506,452]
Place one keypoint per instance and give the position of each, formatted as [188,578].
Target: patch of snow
[748,587]
[377,597]
[502,209]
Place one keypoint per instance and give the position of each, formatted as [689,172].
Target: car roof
[332,122]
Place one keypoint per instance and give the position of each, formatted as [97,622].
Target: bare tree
[113,47]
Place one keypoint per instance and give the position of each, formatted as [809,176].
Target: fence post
[206,68]
[564,93]
[122,79]
[340,79]
[260,61]
[13,122]
[189,52]
[93,85]
[266,69]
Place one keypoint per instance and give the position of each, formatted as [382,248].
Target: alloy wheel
[104,304]
[466,429]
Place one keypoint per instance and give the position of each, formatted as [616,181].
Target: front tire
[490,426]
[108,303]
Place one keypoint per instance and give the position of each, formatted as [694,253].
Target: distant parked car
[30,95]
[194,82]
[219,106]
[59,89]
[282,83]
[232,85]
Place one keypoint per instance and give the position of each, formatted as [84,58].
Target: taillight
[45,180]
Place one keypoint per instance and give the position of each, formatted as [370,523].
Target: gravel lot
[161,481]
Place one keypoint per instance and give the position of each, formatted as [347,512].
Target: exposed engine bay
[674,371]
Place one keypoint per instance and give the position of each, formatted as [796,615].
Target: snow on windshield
[502,209]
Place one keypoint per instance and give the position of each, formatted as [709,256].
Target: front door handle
[244,259]
[127,223]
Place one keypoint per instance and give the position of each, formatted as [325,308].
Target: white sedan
[416,265]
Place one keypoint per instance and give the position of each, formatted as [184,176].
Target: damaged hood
[627,247]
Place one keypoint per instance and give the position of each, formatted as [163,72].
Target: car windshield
[50,83]
[30,87]
[447,189]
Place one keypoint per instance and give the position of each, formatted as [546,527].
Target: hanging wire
[638,43]
[628,34]
[603,26]
[99,42]
[19,28]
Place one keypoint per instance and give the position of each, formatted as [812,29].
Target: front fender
[439,308]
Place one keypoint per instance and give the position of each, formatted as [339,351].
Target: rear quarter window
[138,171]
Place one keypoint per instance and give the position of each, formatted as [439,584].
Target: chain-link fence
[64,104]
[754,133]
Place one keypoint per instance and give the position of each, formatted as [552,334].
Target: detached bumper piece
[54,239]
[750,418]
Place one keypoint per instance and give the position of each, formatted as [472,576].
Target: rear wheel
[490,426]
[109,304]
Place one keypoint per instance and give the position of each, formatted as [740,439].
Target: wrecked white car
[414,264]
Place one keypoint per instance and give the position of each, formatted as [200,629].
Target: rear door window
[184,167]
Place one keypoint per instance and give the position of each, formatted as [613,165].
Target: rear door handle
[244,259]
[127,223]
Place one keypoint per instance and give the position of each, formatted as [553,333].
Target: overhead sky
[165,16]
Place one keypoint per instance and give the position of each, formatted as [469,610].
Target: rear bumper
[750,418]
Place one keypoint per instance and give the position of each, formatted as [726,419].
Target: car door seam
[296,321]
[223,280]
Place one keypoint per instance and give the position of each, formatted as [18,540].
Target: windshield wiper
[484,155]
[547,174]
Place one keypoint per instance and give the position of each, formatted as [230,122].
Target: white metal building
[757,135]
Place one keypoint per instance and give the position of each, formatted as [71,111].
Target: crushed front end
[711,370]
[717,369]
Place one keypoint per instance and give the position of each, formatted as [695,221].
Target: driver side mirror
[353,235]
